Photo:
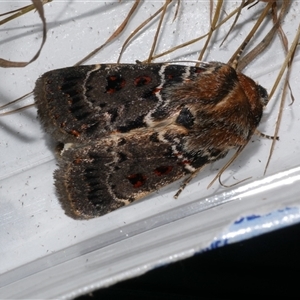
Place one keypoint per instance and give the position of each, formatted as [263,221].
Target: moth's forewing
[80,103]
[97,178]
[90,102]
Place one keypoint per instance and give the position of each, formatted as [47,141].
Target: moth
[126,130]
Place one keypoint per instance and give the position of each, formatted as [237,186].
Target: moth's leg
[270,137]
[187,181]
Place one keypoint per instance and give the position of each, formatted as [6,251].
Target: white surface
[46,254]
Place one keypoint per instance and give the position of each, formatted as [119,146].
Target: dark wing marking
[97,178]
[79,103]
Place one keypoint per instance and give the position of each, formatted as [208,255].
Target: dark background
[263,267]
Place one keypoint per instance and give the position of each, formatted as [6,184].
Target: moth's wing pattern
[99,99]
[128,129]
[100,177]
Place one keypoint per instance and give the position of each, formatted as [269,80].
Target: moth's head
[264,97]
[255,93]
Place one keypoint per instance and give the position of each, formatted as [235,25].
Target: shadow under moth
[126,130]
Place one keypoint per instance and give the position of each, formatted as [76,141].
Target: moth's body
[131,129]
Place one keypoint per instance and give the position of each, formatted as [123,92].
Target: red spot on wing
[115,83]
[163,170]
[75,133]
[156,90]
[137,180]
[110,91]
[184,162]
[142,80]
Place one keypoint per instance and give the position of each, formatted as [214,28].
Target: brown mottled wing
[90,102]
[100,177]
[79,103]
